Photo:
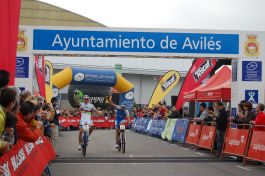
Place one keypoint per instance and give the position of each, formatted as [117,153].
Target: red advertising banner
[193,135]
[207,137]
[27,158]
[199,70]
[9,20]
[236,141]
[40,74]
[256,149]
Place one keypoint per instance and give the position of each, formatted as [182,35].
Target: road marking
[124,163]
[130,155]
[244,168]
[201,154]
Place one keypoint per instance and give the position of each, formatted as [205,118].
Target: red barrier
[256,149]
[193,134]
[27,158]
[236,141]
[207,137]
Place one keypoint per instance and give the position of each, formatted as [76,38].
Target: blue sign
[233,112]
[94,77]
[124,41]
[252,96]
[251,71]
[22,67]
[127,99]
[180,130]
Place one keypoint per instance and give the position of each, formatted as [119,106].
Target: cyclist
[121,114]
[86,109]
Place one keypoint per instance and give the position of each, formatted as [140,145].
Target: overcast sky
[184,14]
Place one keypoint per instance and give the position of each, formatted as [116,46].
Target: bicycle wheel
[123,142]
[84,144]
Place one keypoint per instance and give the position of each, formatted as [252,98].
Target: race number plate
[122,127]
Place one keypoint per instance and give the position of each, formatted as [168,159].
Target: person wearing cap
[86,109]
[121,114]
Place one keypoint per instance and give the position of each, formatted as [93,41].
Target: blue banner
[125,41]
[180,130]
[127,99]
[251,71]
[94,77]
[22,67]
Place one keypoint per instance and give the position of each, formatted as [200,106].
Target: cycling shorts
[118,121]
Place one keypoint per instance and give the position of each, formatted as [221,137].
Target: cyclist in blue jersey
[121,114]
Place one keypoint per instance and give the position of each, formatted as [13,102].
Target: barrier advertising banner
[207,137]
[193,134]
[257,146]
[180,130]
[165,85]
[236,141]
[199,70]
[27,158]
[171,129]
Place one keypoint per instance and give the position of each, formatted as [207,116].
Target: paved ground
[144,156]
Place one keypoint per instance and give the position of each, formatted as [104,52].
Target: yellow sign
[165,85]
[22,41]
[48,82]
[252,46]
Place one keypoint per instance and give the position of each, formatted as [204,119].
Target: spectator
[250,114]
[46,122]
[23,96]
[8,134]
[260,118]
[24,130]
[174,113]
[240,114]
[7,102]
[221,125]
[56,114]
[210,116]
[203,113]
[4,78]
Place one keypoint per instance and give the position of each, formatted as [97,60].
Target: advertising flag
[165,85]
[40,74]
[198,72]
[48,82]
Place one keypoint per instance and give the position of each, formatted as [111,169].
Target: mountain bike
[122,139]
[85,136]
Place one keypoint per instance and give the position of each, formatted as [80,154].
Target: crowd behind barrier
[247,143]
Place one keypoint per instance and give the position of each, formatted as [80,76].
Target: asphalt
[144,156]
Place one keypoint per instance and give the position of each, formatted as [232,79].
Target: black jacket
[222,120]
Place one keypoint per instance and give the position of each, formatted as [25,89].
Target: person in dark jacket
[56,115]
[221,125]
[174,113]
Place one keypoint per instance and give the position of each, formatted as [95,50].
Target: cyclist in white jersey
[86,109]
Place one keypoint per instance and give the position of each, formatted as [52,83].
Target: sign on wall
[251,71]
[22,67]
[252,96]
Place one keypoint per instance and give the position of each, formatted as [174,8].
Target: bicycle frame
[85,135]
